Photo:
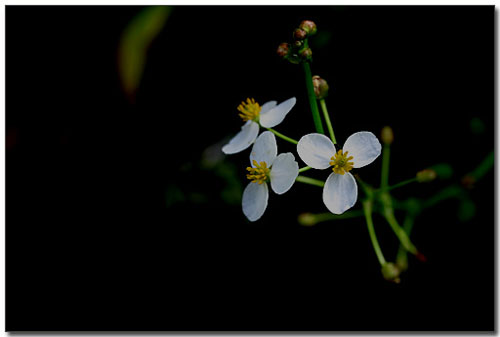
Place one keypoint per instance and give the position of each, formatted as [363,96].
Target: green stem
[321,217]
[282,136]
[484,166]
[402,256]
[367,208]
[305,169]
[310,181]
[403,183]
[400,233]
[450,192]
[384,179]
[365,187]
[312,98]
[327,120]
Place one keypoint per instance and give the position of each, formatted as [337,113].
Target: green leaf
[443,171]
[467,210]
[134,43]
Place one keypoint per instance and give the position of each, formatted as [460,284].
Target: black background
[91,243]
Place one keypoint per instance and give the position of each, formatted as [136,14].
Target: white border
[206,2]
[254,2]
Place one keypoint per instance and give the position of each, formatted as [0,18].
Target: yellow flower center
[341,163]
[259,173]
[249,110]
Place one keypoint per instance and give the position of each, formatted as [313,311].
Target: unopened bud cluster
[299,50]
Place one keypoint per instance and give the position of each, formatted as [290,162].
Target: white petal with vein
[316,150]
[340,192]
[284,172]
[264,149]
[276,115]
[364,147]
[243,139]
[254,200]
[267,106]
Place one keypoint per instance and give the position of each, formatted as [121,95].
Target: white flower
[281,171]
[360,149]
[269,115]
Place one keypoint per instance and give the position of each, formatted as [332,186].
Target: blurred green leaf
[233,189]
[484,167]
[134,43]
[443,171]
[467,210]
[174,195]
[477,126]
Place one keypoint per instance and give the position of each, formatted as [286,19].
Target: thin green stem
[396,228]
[367,208]
[327,120]
[402,256]
[310,181]
[450,192]
[365,187]
[312,98]
[384,178]
[400,184]
[282,136]
[484,166]
[305,169]
[320,217]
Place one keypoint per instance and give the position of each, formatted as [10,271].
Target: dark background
[115,222]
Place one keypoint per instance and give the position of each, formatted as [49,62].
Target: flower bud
[299,34]
[297,44]
[387,135]
[307,219]
[320,87]
[391,272]
[309,27]
[306,53]
[283,50]
[426,175]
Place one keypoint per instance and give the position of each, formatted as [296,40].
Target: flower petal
[340,192]
[274,116]
[284,172]
[264,149]
[254,200]
[243,139]
[364,147]
[267,106]
[316,150]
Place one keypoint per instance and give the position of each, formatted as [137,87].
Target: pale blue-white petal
[276,115]
[254,200]
[284,172]
[267,106]
[316,150]
[243,139]
[340,192]
[364,147]
[264,149]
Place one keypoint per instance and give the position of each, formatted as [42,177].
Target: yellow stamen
[249,110]
[341,163]
[259,173]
